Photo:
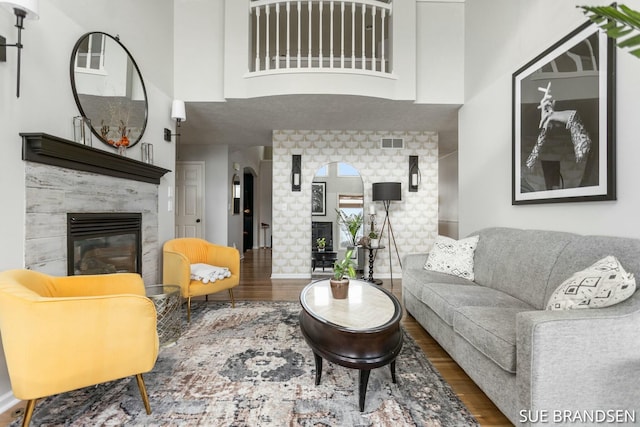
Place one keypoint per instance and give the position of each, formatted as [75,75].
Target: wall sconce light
[179,114]
[414,174]
[22,9]
[296,172]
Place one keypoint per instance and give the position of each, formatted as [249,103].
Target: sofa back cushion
[520,262]
[583,251]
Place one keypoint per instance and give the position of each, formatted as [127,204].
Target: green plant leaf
[620,22]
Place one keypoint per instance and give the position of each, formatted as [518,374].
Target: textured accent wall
[414,219]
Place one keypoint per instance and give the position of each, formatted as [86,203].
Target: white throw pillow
[603,284]
[453,256]
[208,273]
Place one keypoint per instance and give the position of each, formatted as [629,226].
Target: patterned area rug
[250,366]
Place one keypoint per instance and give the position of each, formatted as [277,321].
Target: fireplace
[102,243]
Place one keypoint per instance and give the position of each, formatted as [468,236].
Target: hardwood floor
[256,285]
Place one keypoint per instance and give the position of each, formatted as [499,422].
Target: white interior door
[190,199]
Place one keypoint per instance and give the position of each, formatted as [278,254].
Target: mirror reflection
[108,89]
[337,192]
[235,194]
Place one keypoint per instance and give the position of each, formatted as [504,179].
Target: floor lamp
[387,192]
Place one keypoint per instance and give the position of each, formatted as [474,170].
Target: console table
[322,258]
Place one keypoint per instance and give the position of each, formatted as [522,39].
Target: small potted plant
[343,269]
[374,239]
[321,242]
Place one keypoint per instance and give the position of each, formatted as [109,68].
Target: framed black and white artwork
[564,122]
[318,198]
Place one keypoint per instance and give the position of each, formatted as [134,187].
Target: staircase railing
[299,35]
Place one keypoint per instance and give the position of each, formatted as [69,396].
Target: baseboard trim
[7,401]
[291,276]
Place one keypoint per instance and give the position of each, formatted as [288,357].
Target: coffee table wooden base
[364,379]
[353,349]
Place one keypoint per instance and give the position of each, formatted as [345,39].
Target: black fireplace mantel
[55,151]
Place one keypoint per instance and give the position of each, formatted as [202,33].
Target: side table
[167,300]
[371,260]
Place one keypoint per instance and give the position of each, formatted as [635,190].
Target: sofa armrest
[579,360]
[176,270]
[414,261]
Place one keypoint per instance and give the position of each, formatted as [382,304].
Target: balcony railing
[327,35]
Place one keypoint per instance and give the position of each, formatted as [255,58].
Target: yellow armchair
[179,254]
[64,333]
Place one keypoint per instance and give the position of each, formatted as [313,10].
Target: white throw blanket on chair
[208,273]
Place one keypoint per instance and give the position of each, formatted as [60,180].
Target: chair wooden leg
[189,310]
[28,412]
[143,393]
[233,302]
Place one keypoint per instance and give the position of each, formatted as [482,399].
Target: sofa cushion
[603,284]
[452,256]
[415,279]
[492,331]
[446,299]
[519,262]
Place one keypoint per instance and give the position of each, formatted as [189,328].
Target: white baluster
[267,62]
[383,61]
[320,38]
[257,68]
[277,35]
[364,59]
[353,34]
[299,33]
[288,35]
[331,35]
[310,7]
[342,37]
[373,38]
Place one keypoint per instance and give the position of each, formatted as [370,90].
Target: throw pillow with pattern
[453,256]
[603,284]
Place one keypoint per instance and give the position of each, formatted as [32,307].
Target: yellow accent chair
[64,333]
[180,253]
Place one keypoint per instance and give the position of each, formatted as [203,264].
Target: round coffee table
[360,332]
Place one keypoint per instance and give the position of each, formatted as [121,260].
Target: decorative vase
[320,249]
[339,288]
[122,150]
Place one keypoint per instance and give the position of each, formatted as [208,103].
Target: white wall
[524,29]
[440,52]
[264,187]
[46,102]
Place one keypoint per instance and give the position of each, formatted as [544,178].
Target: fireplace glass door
[104,243]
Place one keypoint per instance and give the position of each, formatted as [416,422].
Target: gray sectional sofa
[537,366]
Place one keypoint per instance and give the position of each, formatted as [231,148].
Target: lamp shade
[178,111]
[384,191]
[29,6]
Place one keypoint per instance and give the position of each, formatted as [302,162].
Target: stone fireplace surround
[52,191]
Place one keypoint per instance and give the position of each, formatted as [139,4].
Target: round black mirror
[108,88]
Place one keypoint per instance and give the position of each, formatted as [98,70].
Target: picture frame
[318,198]
[563,123]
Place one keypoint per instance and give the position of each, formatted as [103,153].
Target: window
[351,207]
[345,169]
[90,57]
[323,171]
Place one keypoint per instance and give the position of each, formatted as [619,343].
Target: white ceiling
[244,123]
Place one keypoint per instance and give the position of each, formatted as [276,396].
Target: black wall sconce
[22,9]
[414,174]
[296,172]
